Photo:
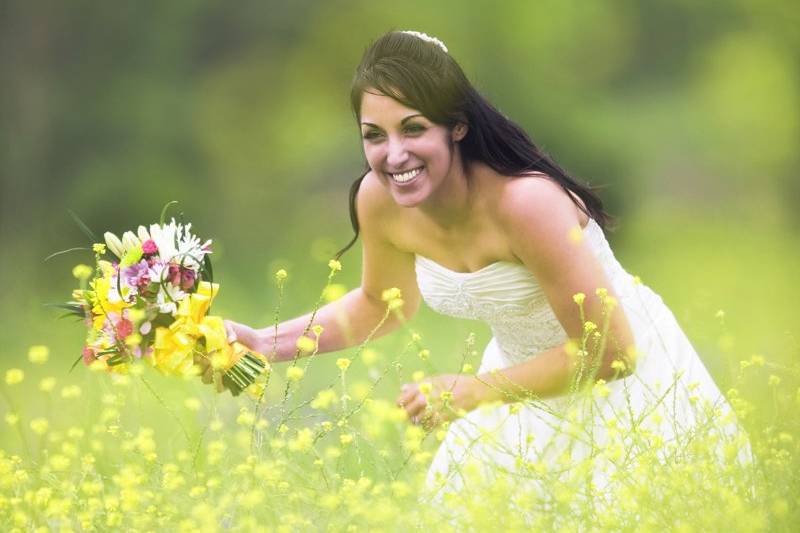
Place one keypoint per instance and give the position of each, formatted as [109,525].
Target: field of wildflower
[325,448]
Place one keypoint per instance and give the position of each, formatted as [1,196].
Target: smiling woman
[459,207]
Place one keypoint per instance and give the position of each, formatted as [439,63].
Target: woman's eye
[415,129]
[371,135]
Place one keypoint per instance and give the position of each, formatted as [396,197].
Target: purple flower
[187,279]
[138,275]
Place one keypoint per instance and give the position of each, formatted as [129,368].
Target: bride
[460,208]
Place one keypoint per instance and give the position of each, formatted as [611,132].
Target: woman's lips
[404,178]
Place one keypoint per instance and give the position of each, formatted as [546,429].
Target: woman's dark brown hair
[421,75]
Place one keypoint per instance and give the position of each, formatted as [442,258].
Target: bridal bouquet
[151,303]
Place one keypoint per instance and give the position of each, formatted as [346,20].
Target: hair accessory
[426,37]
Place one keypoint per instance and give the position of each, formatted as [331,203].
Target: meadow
[326,448]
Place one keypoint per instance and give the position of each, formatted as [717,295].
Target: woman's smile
[407,177]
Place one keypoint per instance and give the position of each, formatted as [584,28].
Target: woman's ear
[460,131]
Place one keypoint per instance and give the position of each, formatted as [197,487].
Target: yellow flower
[324,399]
[306,344]
[192,404]
[294,373]
[424,354]
[345,439]
[418,376]
[47,384]
[11,419]
[395,304]
[636,280]
[317,329]
[757,360]
[391,294]
[71,391]
[467,368]
[602,292]
[579,297]
[425,388]
[369,356]
[334,265]
[333,292]
[619,365]
[281,275]
[14,376]
[589,326]
[82,272]
[343,363]
[774,380]
[39,425]
[99,248]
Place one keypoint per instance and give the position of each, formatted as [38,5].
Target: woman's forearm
[345,322]
[549,374]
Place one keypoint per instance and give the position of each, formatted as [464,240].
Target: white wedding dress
[669,386]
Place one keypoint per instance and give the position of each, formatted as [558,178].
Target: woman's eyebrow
[401,122]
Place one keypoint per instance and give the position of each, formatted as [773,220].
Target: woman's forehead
[379,108]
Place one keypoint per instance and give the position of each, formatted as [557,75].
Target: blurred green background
[687,112]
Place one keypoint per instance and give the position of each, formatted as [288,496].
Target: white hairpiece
[426,37]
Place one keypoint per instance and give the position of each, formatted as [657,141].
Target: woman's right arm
[349,320]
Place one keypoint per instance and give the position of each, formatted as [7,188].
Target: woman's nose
[396,155]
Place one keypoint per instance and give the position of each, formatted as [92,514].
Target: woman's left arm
[542,225]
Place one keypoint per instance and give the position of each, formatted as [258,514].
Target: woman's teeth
[406,176]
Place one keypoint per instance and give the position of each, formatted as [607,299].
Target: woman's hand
[252,338]
[438,399]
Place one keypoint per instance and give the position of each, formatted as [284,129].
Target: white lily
[130,241]
[143,234]
[114,244]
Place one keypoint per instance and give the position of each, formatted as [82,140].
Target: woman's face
[410,154]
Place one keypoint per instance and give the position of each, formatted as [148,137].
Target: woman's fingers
[415,407]
[230,330]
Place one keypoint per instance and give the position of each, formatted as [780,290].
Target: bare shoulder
[375,207]
[372,196]
[537,203]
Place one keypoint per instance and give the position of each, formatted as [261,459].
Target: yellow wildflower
[82,272]
[774,380]
[333,292]
[281,275]
[343,363]
[579,297]
[467,368]
[99,248]
[391,294]
[12,419]
[39,425]
[424,354]
[294,373]
[14,376]
[426,388]
[345,439]
[334,265]
[418,376]
[306,344]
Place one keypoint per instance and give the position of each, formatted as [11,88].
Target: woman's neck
[452,206]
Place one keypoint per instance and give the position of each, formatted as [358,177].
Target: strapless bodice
[509,299]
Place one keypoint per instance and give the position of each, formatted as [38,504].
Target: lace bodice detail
[507,297]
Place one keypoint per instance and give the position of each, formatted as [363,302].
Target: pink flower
[124,328]
[149,247]
[174,275]
[88,355]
